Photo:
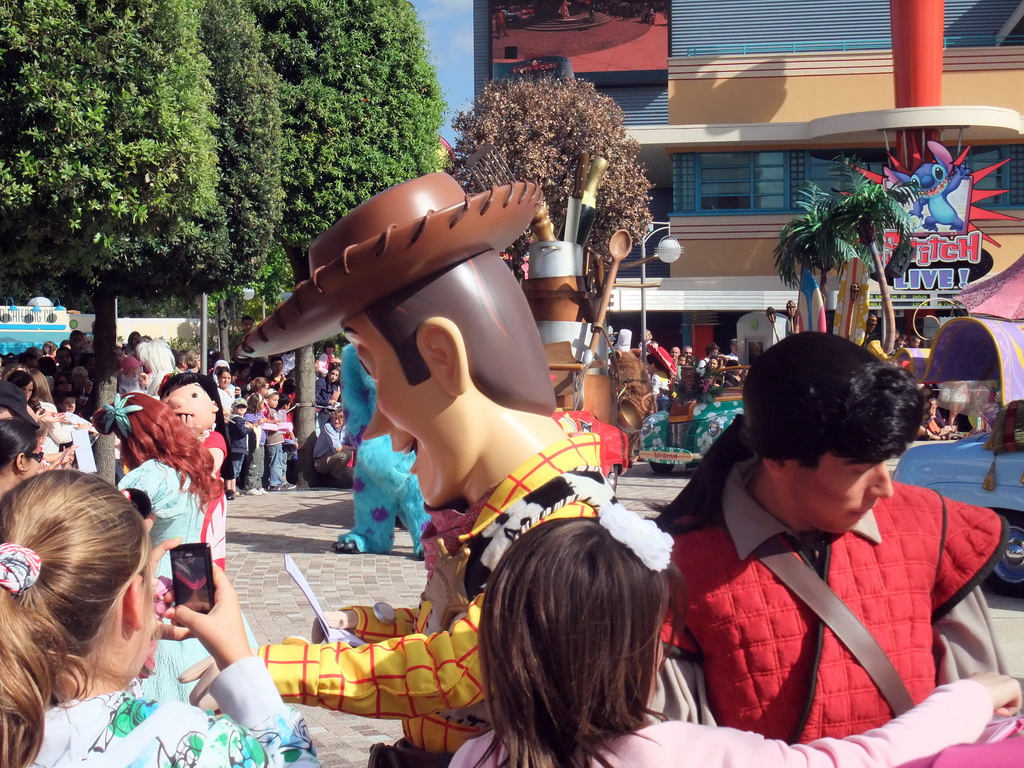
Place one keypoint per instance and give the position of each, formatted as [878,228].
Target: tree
[361,108]
[541,127]
[248,133]
[848,223]
[106,142]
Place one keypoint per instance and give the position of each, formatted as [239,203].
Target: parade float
[568,286]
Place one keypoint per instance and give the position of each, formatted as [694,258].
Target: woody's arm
[400,677]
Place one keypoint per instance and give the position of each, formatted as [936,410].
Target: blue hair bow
[118,411]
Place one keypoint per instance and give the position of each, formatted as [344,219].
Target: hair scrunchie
[19,568]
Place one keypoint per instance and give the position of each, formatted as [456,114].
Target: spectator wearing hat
[131,378]
[238,443]
[13,404]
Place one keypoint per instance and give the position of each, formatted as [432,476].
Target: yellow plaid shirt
[402,673]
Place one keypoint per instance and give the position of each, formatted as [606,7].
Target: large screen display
[593,35]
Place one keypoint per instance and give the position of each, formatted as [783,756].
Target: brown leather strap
[819,597]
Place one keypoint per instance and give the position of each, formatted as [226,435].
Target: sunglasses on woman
[37,456]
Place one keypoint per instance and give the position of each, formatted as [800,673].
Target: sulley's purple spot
[423,527]
[380,514]
[359,435]
[358,485]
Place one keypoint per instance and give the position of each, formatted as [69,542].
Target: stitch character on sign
[936,183]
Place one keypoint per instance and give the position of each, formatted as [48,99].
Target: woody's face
[415,417]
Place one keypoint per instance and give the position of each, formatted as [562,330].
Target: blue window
[742,181]
[980,158]
[752,182]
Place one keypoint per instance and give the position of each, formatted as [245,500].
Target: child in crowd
[570,654]
[276,460]
[238,443]
[254,417]
[76,607]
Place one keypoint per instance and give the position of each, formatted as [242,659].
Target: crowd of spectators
[258,398]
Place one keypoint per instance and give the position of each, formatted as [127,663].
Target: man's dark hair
[710,349]
[817,393]
[808,395]
[248,317]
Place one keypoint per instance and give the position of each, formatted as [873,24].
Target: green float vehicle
[702,409]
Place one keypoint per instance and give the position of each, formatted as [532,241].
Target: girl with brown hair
[570,645]
[76,595]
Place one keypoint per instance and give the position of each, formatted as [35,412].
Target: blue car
[957,469]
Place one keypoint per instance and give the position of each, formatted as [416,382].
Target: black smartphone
[192,576]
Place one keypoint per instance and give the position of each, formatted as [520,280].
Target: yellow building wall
[785,88]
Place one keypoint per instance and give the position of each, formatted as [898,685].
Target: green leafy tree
[248,133]
[541,127]
[106,142]
[361,108]
[848,223]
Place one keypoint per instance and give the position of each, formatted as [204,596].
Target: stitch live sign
[942,262]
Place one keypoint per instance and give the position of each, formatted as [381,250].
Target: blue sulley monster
[935,183]
[382,486]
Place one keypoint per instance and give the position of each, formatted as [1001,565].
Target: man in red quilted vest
[804,469]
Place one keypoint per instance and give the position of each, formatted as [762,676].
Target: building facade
[758,98]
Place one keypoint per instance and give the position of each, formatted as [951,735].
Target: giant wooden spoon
[618,247]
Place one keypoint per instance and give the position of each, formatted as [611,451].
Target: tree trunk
[305,414]
[888,313]
[222,329]
[305,385]
[104,337]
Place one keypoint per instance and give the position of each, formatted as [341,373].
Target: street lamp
[668,251]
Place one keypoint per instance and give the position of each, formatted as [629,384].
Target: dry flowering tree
[541,127]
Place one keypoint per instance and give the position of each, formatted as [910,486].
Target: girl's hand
[221,631]
[1004,690]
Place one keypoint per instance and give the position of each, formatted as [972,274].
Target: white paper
[83,450]
[332,634]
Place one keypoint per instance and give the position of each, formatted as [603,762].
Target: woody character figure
[414,278]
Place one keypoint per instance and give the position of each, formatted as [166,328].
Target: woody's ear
[443,349]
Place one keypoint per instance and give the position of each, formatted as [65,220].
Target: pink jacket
[1001,754]
[954,714]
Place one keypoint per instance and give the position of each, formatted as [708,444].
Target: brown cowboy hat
[402,235]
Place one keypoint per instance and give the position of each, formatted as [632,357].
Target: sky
[449,25]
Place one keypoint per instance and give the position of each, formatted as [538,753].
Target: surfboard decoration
[810,311]
[852,305]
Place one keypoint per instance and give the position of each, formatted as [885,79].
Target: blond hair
[91,543]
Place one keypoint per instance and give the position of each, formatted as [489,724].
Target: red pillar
[917,32]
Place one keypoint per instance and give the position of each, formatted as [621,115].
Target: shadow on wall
[737,99]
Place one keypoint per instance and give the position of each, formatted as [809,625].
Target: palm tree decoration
[849,223]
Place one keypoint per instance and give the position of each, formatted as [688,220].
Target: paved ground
[304,524]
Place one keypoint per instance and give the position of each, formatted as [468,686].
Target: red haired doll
[164,460]
[194,401]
